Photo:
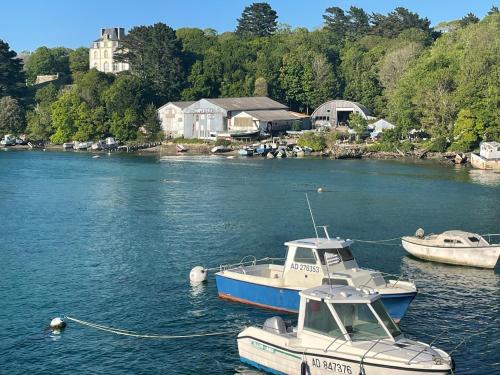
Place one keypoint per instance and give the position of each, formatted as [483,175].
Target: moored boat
[453,247]
[8,140]
[309,262]
[342,330]
[246,151]
[67,145]
[180,148]
[220,149]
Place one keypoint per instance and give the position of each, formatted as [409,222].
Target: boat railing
[399,278]
[250,260]
[444,333]
[490,236]
[335,339]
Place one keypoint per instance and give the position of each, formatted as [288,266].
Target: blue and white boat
[246,151]
[309,263]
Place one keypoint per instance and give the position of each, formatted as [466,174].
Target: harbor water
[112,240]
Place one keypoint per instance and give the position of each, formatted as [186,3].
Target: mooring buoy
[57,324]
[198,274]
[320,190]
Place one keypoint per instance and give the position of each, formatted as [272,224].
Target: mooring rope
[123,332]
[378,241]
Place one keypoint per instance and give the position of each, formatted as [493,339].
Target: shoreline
[340,152]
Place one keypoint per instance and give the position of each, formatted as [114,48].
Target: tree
[307,78]
[64,116]
[155,55]
[91,85]
[468,19]
[358,123]
[124,127]
[39,120]
[260,88]
[336,22]
[127,91]
[47,61]
[467,131]
[395,63]
[11,116]
[396,21]
[358,22]
[11,74]
[493,10]
[152,124]
[79,60]
[258,19]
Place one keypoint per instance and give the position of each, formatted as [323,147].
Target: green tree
[260,87]
[79,60]
[395,22]
[11,74]
[336,22]
[468,19]
[358,123]
[39,120]
[91,85]
[127,91]
[307,78]
[11,116]
[47,61]
[152,124]
[124,127]
[155,55]
[467,131]
[257,19]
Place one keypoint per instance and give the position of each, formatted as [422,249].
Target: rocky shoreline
[336,152]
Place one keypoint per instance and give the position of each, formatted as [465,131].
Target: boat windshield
[319,319]
[360,322]
[381,311]
[344,252]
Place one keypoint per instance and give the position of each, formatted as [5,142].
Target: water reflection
[484,177]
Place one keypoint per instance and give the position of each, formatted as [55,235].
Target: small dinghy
[309,262]
[341,330]
[453,247]
[180,148]
[220,149]
[246,151]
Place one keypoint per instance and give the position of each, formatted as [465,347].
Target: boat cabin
[317,261]
[490,150]
[344,313]
[458,238]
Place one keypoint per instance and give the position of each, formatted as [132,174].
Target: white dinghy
[453,247]
[341,330]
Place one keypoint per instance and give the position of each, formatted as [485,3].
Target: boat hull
[288,299]
[482,257]
[281,360]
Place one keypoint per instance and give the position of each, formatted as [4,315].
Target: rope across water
[123,332]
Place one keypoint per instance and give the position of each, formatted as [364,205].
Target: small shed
[171,117]
[490,150]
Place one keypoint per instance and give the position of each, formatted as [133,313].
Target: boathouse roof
[247,103]
[273,115]
[340,294]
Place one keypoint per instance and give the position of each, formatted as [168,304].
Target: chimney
[102,31]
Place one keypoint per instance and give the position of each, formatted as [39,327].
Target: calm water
[112,240]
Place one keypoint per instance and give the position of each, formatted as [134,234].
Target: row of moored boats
[347,315]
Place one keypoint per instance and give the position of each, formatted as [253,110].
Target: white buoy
[198,274]
[57,324]
[320,190]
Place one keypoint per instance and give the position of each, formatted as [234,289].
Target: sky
[29,24]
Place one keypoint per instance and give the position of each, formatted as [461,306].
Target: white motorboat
[8,140]
[220,149]
[453,247]
[180,148]
[309,262]
[341,330]
[67,145]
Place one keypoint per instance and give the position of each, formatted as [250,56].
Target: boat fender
[304,368]
[198,274]
[420,233]
[57,324]
[320,190]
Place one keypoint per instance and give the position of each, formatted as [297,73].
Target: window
[105,54]
[106,67]
[304,255]
[95,55]
[115,67]
[360,322]
[448,241]
[319,319]
[335,282]
[473,239]
[385,318]
[345,254]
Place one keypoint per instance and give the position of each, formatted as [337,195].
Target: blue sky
[29,24]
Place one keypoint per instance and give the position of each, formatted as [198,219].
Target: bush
[439,144]
[315,141]
[222,142]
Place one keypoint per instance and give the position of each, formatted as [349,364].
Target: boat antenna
[312,217]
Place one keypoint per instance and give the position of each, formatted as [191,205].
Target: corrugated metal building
[209,118]
[336,112]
